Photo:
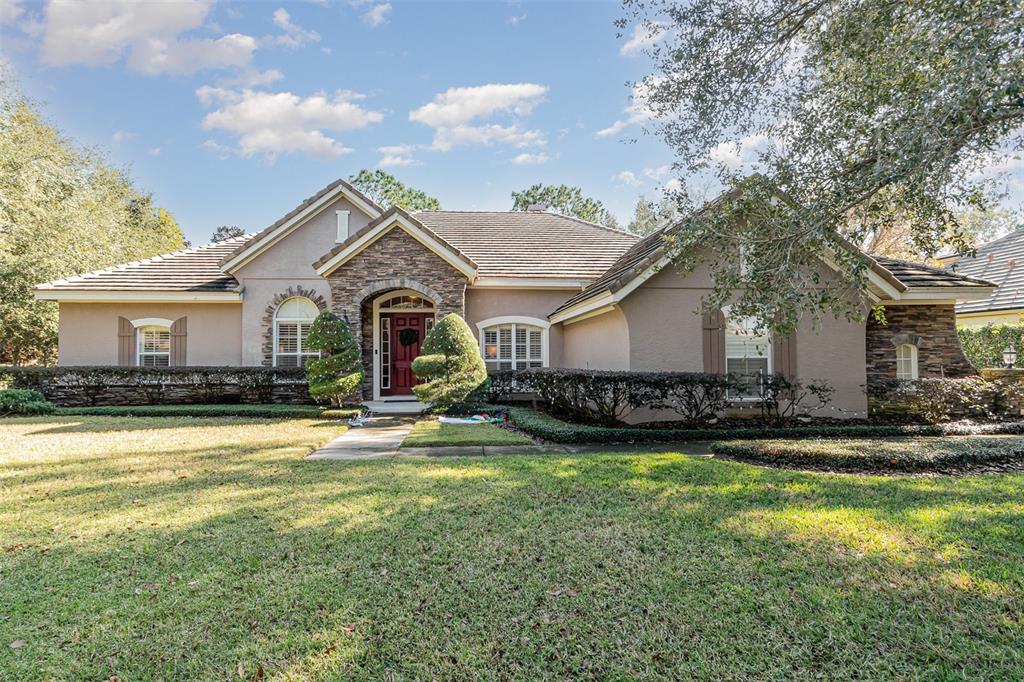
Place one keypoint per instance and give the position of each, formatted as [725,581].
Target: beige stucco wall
[600,342]
[484,304]
[287,263]
[665,333]
[87,334]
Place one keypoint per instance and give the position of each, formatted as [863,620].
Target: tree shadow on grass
[605,566]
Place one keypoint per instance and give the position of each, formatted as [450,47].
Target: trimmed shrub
[340,374]
[911,454]
[20,401]
[984,346]
[938,400]
[781,400]
[555,430]
[450,367]
[248,411]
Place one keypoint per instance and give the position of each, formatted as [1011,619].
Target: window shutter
[784,356]
[125,342]
[178,335]
[714,342]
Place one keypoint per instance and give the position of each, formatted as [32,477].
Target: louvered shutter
[714,342]
[125,342]
[179,331]
[784,356]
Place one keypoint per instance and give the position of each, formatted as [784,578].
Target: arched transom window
[748,353]
[906,362]
[291,327]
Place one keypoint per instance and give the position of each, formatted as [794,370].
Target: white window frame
[745,323]
[140,335]
[515,320]
[913,373]
[300,351]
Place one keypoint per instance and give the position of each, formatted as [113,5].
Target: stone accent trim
[395,261]
[268,316]
[932,328]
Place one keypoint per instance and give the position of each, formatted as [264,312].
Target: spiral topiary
[338,374]
[450,367]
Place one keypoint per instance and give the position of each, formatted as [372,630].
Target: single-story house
[1002,262]
[537,288]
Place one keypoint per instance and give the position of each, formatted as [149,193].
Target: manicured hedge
[255,411]
[910,454]
[21,401]
[549,428]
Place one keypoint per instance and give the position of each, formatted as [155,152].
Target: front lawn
[429,433]
[209,549]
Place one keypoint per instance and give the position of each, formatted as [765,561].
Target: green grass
[192,549]
[430,433]
[237,410]
[907,454]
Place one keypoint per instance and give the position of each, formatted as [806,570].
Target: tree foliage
[63,211]
[338,373]
[984,346]
[649,216]
[386,190]
[861,112]
[450,367]
[226,232]
[566,200]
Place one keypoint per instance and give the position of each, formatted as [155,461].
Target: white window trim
[375,313]
[300,352]
[140,333]
[768,356]
[914,366]
[152,322]
[544,325]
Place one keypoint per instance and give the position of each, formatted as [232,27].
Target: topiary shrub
[450,368]
[340,374]
[22,401]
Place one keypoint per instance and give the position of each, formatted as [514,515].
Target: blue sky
[232,113]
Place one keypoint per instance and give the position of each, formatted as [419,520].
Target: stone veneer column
[932,328]
[395,261]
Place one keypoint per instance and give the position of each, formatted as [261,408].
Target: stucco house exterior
[1000,261]
[537,288]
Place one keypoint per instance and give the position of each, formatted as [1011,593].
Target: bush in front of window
[782,400]
[23,401]
[339,375]
[450,368]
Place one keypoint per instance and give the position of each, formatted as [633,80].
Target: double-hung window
[154,347]
[906,362]
[747,355]
[513,346]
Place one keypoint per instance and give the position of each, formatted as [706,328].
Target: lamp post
[1009,356]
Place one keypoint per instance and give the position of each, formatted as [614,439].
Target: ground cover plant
[209,549]
[874,454]
[432,433]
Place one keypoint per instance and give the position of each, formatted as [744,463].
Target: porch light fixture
[1009,356]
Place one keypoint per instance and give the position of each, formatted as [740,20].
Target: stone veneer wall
[932,328]
[394,261]
[271,309]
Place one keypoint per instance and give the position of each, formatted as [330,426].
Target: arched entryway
[401,319]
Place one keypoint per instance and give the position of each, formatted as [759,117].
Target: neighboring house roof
[194,271]
[912,274]
[1002,262]
[255,243]
[529,244]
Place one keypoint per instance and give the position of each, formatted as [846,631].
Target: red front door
[405,335]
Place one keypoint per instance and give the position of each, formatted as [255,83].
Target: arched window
[292,321]
[154,346]
[906,362]
[514,342]
[748,354]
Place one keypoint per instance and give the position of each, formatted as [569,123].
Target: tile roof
[1001,262]
[195,269]
[529,243]
[253,238]
[919,275]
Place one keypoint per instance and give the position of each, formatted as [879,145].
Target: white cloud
[736,155]
[120,136]
[155,151]
[515,19]
[377,14]
[673,185]
[446,139]
[294,35]
[251,78]
[531,159]
[274,122]
[636,113]
[397,155]
[99,33]
[644,35]
[10,10]
[627,178]
[457,106]
[658,172]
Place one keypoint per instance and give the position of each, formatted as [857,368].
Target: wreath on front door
[407,337]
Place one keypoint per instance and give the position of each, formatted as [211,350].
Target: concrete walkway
[381,437]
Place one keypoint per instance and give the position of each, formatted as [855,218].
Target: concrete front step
[394,406]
